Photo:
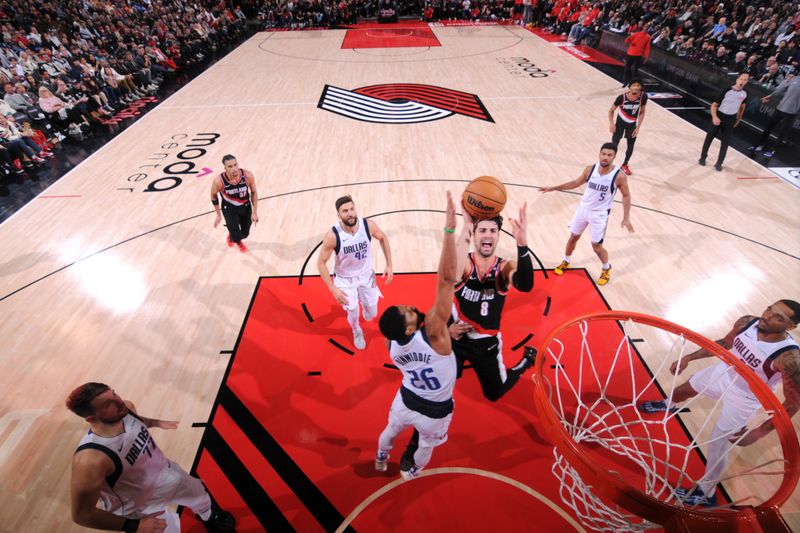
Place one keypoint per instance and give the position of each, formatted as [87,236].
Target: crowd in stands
[759,37]
[68,66]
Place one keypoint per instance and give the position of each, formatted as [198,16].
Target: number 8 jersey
[479,300]
[427,374]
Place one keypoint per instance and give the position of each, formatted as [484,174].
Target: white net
[595,383]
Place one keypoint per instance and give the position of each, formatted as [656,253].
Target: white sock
[567,258]
[606,266]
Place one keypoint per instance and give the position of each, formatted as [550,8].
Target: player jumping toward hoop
[602,182]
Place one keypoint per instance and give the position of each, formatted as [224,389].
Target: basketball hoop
[618,467]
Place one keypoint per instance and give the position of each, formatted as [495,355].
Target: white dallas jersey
[759,355]
[425,373]
[600,189]
[138,464]
[353,252]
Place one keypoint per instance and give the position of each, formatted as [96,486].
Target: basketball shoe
[358,339]
[220,521]
[381,461]
[655,407]
[626,169]
[605,276]
[228,239]
[527,361]
[561,268]
[242,246]
[695,497]
[411,473]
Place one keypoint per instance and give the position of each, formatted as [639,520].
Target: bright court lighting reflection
[702,307]
[112,282]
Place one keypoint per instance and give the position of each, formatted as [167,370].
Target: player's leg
[576,226]
[176,486]
[232,223]
[712,132]
[736,412]
[368,295]
[351,291]
[630,141]
[726,128]
[495,379]
[398,422]
[598,223]
[432,433]
[246,220]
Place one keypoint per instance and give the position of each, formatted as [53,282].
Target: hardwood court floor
[117,274]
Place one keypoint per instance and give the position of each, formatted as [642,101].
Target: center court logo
[401,103]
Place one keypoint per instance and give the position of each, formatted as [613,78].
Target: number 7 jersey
[426,373]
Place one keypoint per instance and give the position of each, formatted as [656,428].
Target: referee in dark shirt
[726,112]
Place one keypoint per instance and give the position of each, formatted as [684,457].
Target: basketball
[484,197]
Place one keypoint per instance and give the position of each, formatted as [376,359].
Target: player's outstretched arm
[462,245]
[447,275]
[567,185]
[726,342]
[788,364]
[376,232]
[325,252]
[152,422]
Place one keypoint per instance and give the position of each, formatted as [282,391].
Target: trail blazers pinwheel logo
[401,103]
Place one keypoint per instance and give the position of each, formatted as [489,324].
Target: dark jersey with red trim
[235,194]
[628,108]
[480,301]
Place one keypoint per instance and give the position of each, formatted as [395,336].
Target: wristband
[215,201]
[447,230]
[130,525]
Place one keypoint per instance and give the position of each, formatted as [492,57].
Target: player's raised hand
[519,226]
[679,366]
[388,275]
[450,214]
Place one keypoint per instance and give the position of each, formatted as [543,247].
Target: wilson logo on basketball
[480,206]
[401,103]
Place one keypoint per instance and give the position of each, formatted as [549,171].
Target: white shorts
[362,288]
[432,431]
[720,381]
[596,220]
[174,487]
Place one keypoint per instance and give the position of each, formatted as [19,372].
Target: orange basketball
[484,197]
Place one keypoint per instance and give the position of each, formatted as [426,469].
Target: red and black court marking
[291,439]
[409,34]
[458,102]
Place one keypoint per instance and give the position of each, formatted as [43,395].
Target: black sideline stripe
[199,424]
[257,500]
[387,365]
[547,306]
[342,348]
[308,315]
[315,373]
[635,340]
[557,366]
[224,352]
[315,501]
[521,343]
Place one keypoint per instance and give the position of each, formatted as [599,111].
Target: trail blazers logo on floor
[401,103]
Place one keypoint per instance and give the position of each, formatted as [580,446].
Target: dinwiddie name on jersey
[598,187]
[472,295]
[138,445]
[413,357]
[746,355]
[353,248]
